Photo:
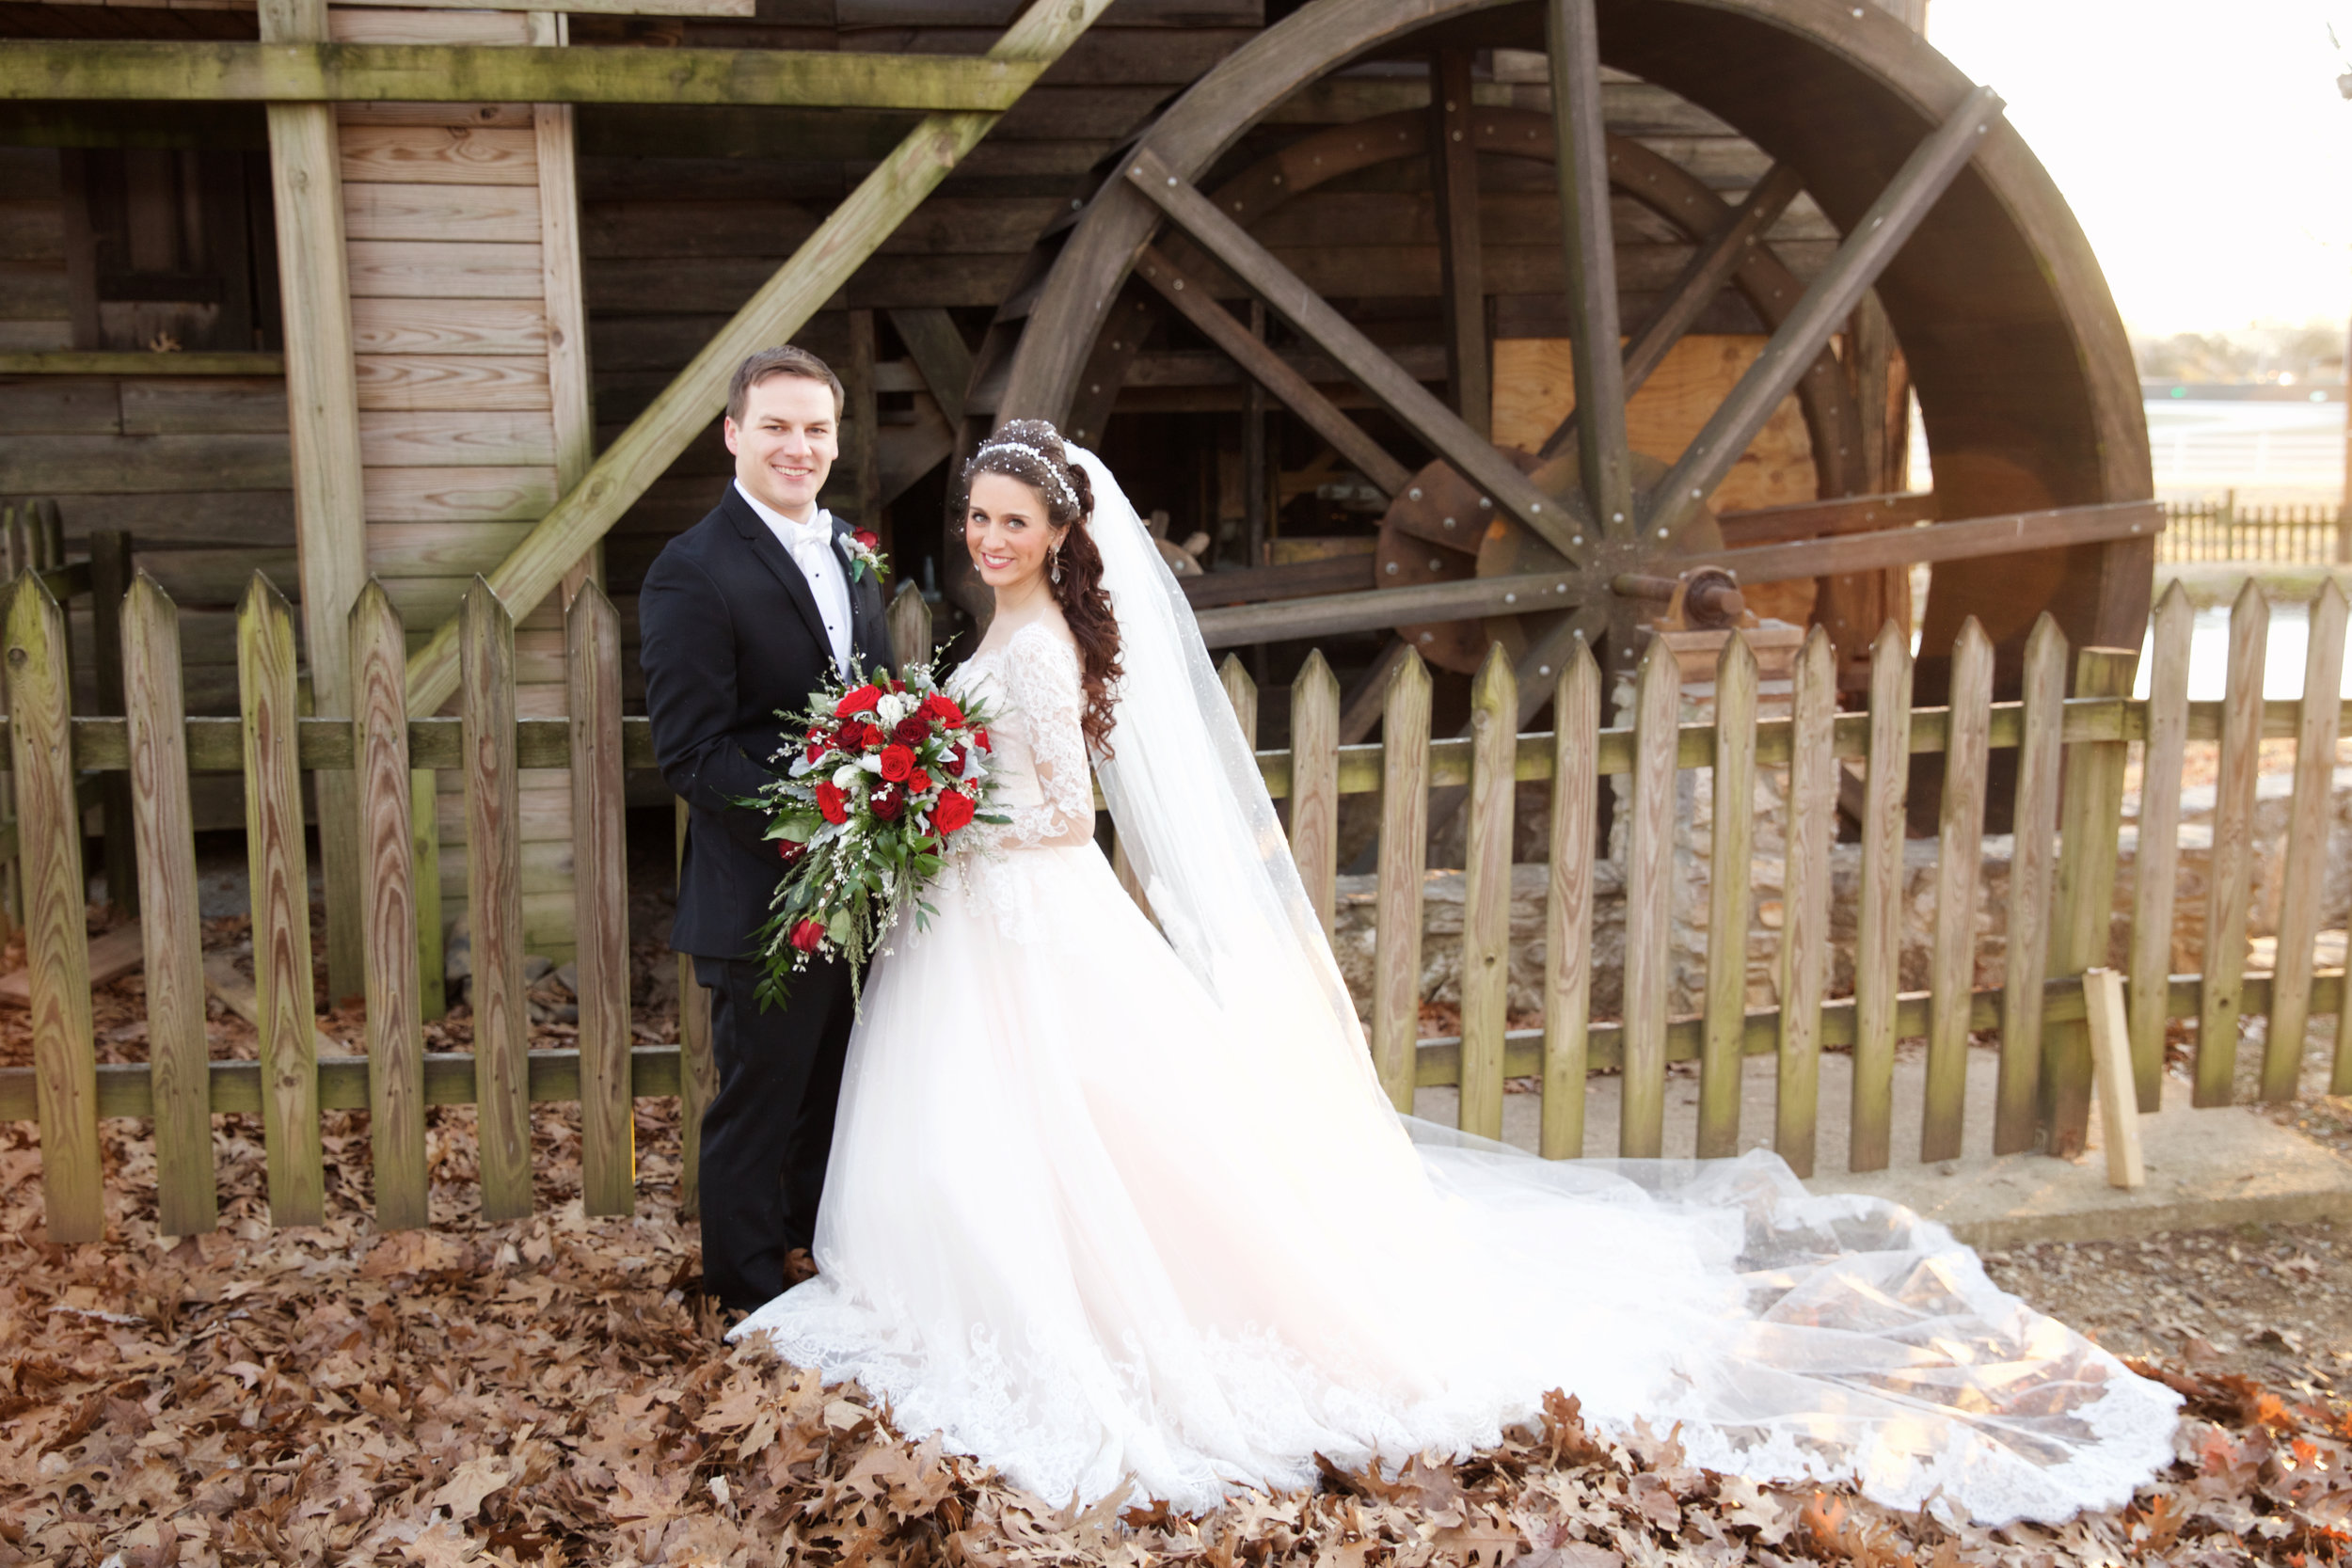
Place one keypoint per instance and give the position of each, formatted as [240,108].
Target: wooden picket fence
[2224,531]
[2070,780]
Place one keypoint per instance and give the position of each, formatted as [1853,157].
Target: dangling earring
[1055,577]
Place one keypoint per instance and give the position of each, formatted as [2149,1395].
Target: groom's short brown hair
[785,359]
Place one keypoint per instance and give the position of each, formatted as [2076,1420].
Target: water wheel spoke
[1876,238]
[1272,372]
[1389,382]
[1540,664]
[1425,604]
[1589,245]
[1818,519]
[1969,539]
[1462,264]
[1710,269]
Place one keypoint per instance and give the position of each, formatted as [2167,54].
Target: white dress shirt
[811,547]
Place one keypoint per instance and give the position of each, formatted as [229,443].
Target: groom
[742,617]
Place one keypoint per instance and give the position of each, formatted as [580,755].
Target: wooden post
[1804,900]
[1486,893]
[2090,819]
[281,906]
[2229,882]
[2035,819]
[424,857]
[1729,897]
[56,944]
[1648,902]
[322,404]
[178,1053]
[607,1152]
[110,580]
[1403,865]
[2158,860]
[1568,910]
[502,1028]
[1879,942]
[2307,822]
[909,625]
[388,923]
[1959,868]
[698,1072]
[2110,1053]
[1315,785]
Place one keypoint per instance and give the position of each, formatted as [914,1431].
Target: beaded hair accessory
[1053,469]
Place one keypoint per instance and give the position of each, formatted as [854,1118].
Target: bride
[1115,1205]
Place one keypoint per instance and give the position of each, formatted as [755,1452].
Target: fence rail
[2224,531]
[2070,756]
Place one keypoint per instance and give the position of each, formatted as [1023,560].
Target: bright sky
[2203,144]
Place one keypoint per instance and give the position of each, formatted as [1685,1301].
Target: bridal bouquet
[885,774]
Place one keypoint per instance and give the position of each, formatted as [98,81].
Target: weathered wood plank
[430,324]
[1959,863]
[443,269]
[1486,891]
[185,405]
[172,944]
[909,625]
[389,920]
[2111,1053]
[1648,909]
[1242,692]
[494,902]
[600,890]
[2229,889]
[445,438]
[56,950]
[1729,898]
[424,859]
[2156,863]
[2308,824]
[1314,805]
[281,906]
[503,215]
[1804,904]
[1404,860]
[423,382]
[2090,817]
[1878,946]
[1568,905]
[2032,868]
[118,465]
[458,495]
[563,295]
[698,1071]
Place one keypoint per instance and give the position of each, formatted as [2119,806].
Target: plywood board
[419,381]
[433,325]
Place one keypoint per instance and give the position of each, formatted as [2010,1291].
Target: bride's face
[1005,528]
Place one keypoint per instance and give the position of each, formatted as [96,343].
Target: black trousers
[768,1134]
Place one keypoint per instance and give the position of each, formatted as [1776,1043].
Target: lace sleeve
[1042,690]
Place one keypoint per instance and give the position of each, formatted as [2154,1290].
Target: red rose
[911,731]
[860,701]
[792,850]
[886,804]
[953,811]
[979,738]
[942,708]
[808,936]
[832,802]
[865,538]
[952,760]
[917,782]
[871,737]
[896,763]
[896,687]
[819,743]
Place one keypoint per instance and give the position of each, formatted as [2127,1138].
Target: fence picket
[1878,941]
[281,906]
[1242,692]
[1648,902]
[1805,901]
[2090,820]
[2307,843]
[698,1071]
[494,902]
[56,944]
[1958,861]
[388,957]
[171,942]
[2157,861]
[424,857]
[2231,879]
[1404,860]
[910,623]
[1729,896]
[2034,825]
[1568,910]
[608,1155]
[1315,784]
[1486,893]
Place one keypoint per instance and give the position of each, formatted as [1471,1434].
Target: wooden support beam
[301,70]
[940,354]
[1461,254]
[816,271]
[1589,249]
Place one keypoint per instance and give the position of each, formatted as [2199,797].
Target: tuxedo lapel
[772,555]
[865,615]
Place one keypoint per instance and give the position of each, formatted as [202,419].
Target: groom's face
[785,443]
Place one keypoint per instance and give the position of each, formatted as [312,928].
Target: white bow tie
[815,537]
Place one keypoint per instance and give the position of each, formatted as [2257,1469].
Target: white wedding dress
[1108,1206]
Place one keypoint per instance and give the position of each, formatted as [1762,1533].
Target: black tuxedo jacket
[730,636]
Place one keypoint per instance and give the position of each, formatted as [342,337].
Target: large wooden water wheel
[1945,221]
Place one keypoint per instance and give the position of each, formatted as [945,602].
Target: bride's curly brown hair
[1031,451]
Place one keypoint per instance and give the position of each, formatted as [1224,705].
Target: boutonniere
[860,548]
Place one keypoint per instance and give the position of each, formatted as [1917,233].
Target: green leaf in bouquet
[840,927]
